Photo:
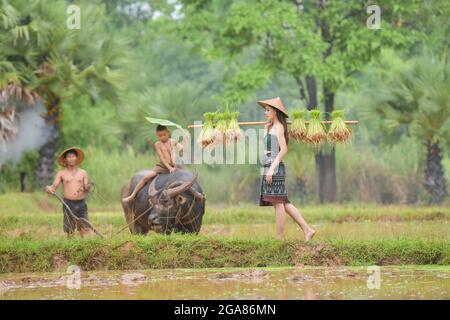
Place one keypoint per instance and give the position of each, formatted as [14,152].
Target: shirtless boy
[76,186]
[164,147]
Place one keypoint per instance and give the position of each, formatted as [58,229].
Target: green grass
[329,213]
[188,251]
[23,204]
[31,238]
[247,222]
[426,230]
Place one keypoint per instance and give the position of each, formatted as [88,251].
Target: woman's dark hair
[283,119]
[70,152]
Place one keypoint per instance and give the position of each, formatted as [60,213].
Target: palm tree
[42,58]
[416,101]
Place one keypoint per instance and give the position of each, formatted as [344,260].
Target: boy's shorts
[79,208]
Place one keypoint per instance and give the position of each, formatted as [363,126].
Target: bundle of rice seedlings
[338,133]
[316,132]
[298,129]
[207,134]
[221,127]
[234,132]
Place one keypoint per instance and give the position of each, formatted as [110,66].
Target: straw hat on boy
[62,160]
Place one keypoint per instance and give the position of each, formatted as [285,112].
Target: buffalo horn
[196,194]
[151,189]
[172,192]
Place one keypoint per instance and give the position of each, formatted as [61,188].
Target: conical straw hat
[62,161]
[275,103]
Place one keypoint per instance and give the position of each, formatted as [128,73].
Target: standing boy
[75,183]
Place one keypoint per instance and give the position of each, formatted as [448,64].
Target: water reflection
[309,283]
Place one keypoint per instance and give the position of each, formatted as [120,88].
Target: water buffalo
[169,202]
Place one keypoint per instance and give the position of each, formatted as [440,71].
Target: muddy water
[279,283]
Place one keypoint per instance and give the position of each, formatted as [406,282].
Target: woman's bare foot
[309,234]
[127,199]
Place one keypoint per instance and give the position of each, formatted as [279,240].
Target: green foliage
[179,67]
[10,173]
[43,54]
[84,125]
[330,41]
[415,101]
[163,122]
[183,104]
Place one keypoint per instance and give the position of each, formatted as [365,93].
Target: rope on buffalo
[178,218]
[93,190]
[181,220]
[133,221]
[188,215]
[178,215]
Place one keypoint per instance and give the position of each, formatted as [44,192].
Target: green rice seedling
[298,129]
[207,134]
[234,132]
[221,127]
[316,132]
[339,132]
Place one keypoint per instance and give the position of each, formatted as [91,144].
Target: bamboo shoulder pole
[261,123]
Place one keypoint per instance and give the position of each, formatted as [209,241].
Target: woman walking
[273,186]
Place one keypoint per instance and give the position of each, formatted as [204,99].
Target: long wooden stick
[260,123]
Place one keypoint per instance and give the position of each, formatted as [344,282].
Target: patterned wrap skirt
[275,192]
